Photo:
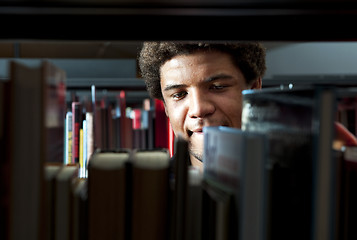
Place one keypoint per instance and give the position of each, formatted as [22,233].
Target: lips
[200,131]
[196,131]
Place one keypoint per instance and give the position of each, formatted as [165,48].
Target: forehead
[197,63]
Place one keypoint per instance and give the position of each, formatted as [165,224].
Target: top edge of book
[109,160]
[155,159]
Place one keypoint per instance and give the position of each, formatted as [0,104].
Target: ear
[257,84]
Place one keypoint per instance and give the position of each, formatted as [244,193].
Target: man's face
[201,89]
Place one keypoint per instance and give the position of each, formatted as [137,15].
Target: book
[149,121]
[82,138]
[109,126]
[104,120]
[150,194]
[234,163]
[68,138]
[180,190]
[194,204]
[4,186]
[93,103]
[122,124]
[107,189]
[25,179]
[82,150]
[171,139]
[339,204]
[126,137]
[218,212]
[34,134]
[161,128]
[253,188]
[127,134]
[105,125]
[54,95]
[50,172]
[79,213]
[301,167]
[90,139]
[63,201]
[116,124]
[98,131]
[145,114]
[137,130]
[76,128]
[347,205]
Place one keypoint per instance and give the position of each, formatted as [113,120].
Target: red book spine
[124,127]
[136,126]
[137,119]
[161,129]
[76,121]
[171,139]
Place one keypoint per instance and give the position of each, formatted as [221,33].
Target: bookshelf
[311,21]
[115,20]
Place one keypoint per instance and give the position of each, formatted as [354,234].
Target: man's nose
[200,105]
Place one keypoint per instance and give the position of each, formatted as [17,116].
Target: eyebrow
[207,80]
[174,86]
[216,77]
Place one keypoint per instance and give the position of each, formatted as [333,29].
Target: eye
[217,87]
[179,95]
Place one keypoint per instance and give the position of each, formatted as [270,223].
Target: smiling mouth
[189,132]
[200,131]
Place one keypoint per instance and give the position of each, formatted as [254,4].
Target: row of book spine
[304,171]
[103,124]
[32,134]
[138,195]
[129,194]
[292,181]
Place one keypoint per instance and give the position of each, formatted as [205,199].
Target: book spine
[150,174]
[253,189]
[89,137]
[348,208]
[136,126]
[124,122]
[104,124]
[76,126]
[161,130]
[181,189]
[107,189]
[80,152]
[171,139]
[85,145]
[68,138]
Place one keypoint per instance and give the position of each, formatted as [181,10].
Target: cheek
[233,110]
[234,115]
[177,116]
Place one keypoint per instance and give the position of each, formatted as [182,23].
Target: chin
[196,151]
[198,156]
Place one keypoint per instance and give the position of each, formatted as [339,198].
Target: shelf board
[188,20]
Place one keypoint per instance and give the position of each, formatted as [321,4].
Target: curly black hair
[249,57]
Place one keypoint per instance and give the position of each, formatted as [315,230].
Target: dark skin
[201,85]
[199,90]
[204,89]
